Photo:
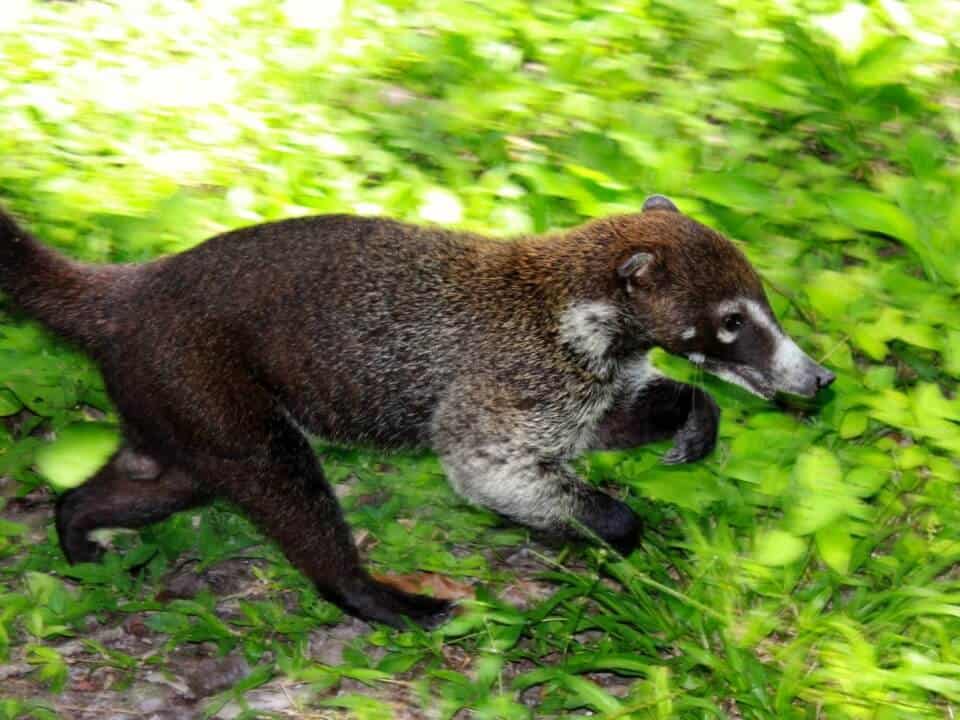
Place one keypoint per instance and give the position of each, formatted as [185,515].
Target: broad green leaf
[52,667]
[854,424]
[890,62]
[865,481]
[765,94]
[77,453]
[867,210]
[835,546]
[689,488]
[733,190]
[872,339]
[777,547]
[831,293]
[819,495]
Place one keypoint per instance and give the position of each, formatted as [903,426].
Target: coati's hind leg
[132,490]
[228,430]
[662,409]
[283,490]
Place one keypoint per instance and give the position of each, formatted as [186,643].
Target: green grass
[807,569]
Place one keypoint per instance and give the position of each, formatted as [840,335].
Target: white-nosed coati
[507,358]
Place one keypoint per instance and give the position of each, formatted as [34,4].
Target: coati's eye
[732,322]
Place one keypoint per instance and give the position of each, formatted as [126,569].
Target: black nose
[825,379]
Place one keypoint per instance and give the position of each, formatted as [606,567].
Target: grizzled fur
[507,358]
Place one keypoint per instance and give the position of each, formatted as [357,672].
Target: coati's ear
[634,267]
[659,202]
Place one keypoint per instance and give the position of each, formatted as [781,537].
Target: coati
[508,359]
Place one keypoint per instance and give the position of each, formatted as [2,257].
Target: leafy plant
[807,567]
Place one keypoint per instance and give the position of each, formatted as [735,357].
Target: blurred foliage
[809,565]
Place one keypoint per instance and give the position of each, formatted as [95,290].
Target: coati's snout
[742,343]
[698,296]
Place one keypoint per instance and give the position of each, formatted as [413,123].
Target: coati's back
[356,325]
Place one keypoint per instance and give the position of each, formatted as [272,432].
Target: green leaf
[867,210]
[819,495]
[733,189]
[866,481]
[362,707]
[835,546]
[591,695]
[9,404]
[765,94]
[777,547]
[77,453]
[694,489]
[831,293]
[52,667]
[854,424]
[889,62]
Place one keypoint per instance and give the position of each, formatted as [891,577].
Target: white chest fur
[590,329]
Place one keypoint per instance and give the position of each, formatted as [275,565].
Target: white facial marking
[726,336]
[789,361]
[789,364]
[689,333]
[696,358]
[730,306]
[760,317]
[589,328]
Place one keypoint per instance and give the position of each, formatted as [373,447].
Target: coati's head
[696,295]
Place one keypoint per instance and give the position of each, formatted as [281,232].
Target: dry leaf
[441,586]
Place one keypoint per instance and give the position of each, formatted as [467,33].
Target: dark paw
[628,542]
[613,521]
[82,550]
[697,437]
[378,602]
[76,546]
[428,612]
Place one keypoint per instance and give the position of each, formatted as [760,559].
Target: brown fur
[376,332]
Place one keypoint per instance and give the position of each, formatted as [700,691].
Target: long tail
[66,296]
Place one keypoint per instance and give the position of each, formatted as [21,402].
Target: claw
[697,437]
[674,456]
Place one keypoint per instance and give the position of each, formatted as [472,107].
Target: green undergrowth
[806,569]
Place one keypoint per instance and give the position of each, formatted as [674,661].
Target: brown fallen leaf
[441,586]
[87,684]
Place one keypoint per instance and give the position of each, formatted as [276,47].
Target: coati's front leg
[661,409]
[499,460]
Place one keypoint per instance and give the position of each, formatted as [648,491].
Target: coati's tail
[62,294]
